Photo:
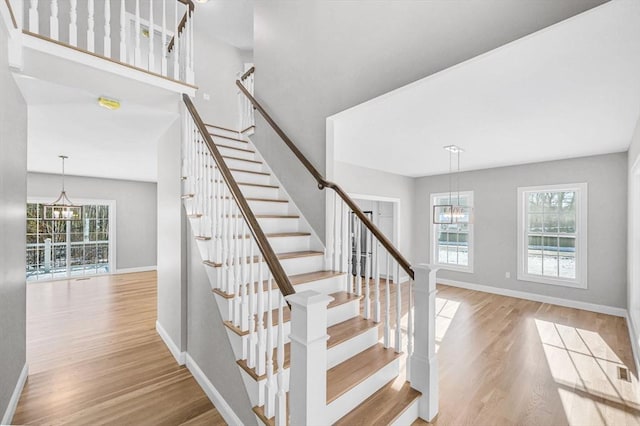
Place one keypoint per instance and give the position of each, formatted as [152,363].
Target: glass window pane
[567,202]
[535,222]
[550,264]
[550,223]
[535,204]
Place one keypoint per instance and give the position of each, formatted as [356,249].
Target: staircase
[313,343]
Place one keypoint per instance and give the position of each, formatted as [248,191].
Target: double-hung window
[452,243]
[552,234]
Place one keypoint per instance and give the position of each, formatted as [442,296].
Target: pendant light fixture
[62,208]
[453,211]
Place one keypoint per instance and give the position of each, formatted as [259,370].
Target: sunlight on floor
[585,369]
[445,311]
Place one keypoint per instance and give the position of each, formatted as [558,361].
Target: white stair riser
[294,266]
[352,347]
[262,179]
[240,152]
[269,207]
[244,165]
[288,244]
[343,312]
[230,142]
[273,225]
[409,415]
[355,396]
[259,191]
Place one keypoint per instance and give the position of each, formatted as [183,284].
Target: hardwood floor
[95,358]
[507,361]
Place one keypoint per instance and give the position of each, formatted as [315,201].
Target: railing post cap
[309,298]
[427,266]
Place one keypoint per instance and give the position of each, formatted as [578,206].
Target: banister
[247,74]
[183,21]
[323,183]
[279,275]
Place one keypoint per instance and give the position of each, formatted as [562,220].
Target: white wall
[136,211]
[13,191]
[633,259]
[495,224]
[172,275]
[316,58]
[216,66]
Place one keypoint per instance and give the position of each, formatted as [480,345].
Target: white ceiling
[570,90]
[228,20]
[100,143]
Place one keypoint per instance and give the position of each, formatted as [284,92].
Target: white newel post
[308,373]
[424,362]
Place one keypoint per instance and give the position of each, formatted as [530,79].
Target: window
[452,244]
[62,249]
[552,234]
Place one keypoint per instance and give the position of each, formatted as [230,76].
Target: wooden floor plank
[95,358]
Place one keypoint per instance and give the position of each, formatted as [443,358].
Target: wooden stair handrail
[323,183]
[182,23]
[279,275]
[247,74]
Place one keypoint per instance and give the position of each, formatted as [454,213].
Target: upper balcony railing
[152,36]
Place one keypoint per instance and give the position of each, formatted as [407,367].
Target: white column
[107,29]
[424,362]
[123,33]
[34,19]
[73,22]
[308,374]
[53,20]
[91,45]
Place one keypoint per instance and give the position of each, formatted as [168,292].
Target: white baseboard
[173,348]
[15,397]
[138,269]
[601,309]
[633,337]
[221,405]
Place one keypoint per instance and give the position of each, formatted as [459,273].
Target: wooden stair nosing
[227,157]
[249,151]
[250,171]
[261,185]
[330,343]
[231,138]
[222,128]
[281,256]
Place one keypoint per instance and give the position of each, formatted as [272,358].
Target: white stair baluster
[376,303]
[270,391]
[91,44]
[237,277]
[349,250]
[398,310]
[367,275]
[34,19]
[225,242]
[358,234]
[107,29]
[123,33]
[53,20]
[73,22]
[281,397]
[262,340]
[387,305]
[163,48]
[251,285]
[244,284]
[152,32]
[219,215]
[137,53]
[176,59]
[335,260]
[409,326]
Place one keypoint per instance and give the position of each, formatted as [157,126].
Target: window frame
[581,235]
[470,235]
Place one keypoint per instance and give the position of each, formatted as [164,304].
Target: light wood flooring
[95,358]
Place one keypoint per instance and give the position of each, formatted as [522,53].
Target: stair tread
[268,200]
[348,374]
[261,185]
[221,145]
[222,128]
[277,216]
[273,235]
[281,256]
[335,329]
[251,171]
[228,157]
[215,135]
[383,407]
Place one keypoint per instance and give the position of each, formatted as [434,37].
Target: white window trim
[581,280]
[112,227]
[432,243]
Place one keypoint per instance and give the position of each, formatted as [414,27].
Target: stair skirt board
[409,415]
[363,390]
